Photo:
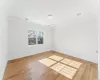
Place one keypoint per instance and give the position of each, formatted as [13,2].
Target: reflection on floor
[66,67]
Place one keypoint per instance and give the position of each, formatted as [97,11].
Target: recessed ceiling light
[52,25]
[78,14]
[49,16]
[48,25]
[26,18]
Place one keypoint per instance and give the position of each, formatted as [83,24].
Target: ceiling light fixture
[52,25]
[49,16]
[78,14]
[26,18]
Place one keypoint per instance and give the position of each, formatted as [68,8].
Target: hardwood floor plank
[90,73]
[61,77]
[80,72]
[50,75]
[29,68]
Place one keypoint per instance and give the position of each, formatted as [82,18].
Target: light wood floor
[29,68]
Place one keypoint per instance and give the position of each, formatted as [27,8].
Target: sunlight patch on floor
[75,64]
[57,67]
[66,67]
[55,57]
[66,61]
[68,72]
[47,62]
[71,63]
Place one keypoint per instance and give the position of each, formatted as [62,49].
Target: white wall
[99,42]
[18,38]
[78,38]
[3,39]
[99,49]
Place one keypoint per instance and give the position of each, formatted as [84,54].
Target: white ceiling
[63,11]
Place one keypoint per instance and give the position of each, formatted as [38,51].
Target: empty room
[49,40]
